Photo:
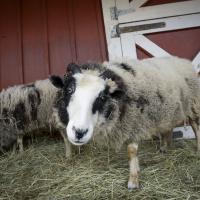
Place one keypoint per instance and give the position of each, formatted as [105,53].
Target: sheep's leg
[20,143]
[196,130]
[198,139]
[68,146]
[134,166]
[166,141]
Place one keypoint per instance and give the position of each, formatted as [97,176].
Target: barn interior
[40,38]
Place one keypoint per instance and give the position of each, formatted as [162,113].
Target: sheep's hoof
[132,186]
[198,152]
[21,149]
[163,149]
[68,155]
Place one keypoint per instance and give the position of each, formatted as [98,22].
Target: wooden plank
[60,49]
[10,44]
[86,30]
[183,43]
[114,49]
[168,24]
[101,31]
[196,63]
[150,47]
[123,5]
[35,47]
[160,11]
[113,44]
[137,3]
[128,46]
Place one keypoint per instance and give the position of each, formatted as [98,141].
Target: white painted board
[161,11]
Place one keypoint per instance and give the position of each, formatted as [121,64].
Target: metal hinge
[115,13]
[115,32]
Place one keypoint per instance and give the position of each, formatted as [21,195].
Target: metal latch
[115,13]
[117,30]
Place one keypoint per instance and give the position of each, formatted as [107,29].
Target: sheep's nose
[79,133]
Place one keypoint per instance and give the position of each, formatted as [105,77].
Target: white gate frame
[127,23]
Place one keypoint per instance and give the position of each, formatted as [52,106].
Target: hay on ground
[42,172]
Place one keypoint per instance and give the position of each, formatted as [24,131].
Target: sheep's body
[128,101]
[162,93]
[27,107]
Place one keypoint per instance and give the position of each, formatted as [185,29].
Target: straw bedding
[42,172]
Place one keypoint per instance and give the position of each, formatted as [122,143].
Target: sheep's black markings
[141,102]
[20,116]
[182,98]
[108,112]
[100,101]
[120,93]
[8,137]
[9,97]
[186,79]
[61,106]
[32,101]
[152,117]
[189,82]
[64,97]
[160,96]
[73,68]
[91,66]
[5,114]
[56,81]
[108,74]
[128,68]
[38,96]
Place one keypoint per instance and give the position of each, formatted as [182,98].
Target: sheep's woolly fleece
[27,108]
[161,93]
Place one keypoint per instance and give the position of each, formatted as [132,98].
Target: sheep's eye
[70,90]
[102,97]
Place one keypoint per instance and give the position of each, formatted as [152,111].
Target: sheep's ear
[114,90]
[114,83]
[73,68]
[57,81]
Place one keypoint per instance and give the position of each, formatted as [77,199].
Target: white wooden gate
[126,24]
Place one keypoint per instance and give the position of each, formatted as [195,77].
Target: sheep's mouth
[78,143]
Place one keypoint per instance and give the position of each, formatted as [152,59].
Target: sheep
[29,107]
[125,102]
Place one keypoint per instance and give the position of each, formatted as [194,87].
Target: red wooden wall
[40,37]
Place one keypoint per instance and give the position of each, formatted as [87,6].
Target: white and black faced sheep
[128,101]
[29,107]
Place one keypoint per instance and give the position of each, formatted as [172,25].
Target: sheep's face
[82,109]
[87,102]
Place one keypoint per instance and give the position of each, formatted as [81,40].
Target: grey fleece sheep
[29,107]
[128,101]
